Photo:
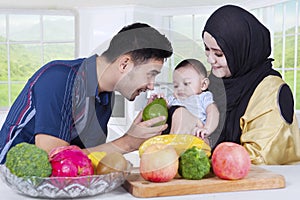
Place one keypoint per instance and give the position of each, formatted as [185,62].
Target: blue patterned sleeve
[53,100]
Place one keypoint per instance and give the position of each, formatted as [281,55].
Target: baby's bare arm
[212,118]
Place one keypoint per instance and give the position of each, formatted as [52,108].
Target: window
[283,21]
[29,39]
[186,37]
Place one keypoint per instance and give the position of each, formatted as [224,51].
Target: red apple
[159,163]
[230,161]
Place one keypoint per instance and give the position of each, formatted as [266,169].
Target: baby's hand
[203,133]
[156,96]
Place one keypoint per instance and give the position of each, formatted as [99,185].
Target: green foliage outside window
[26,56]
[290,75]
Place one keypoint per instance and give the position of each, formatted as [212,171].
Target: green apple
[158,107]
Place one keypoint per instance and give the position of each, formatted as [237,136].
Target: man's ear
[123,62]
[204,84]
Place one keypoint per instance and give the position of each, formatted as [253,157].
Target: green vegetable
[27,160]
[158,107]
[194,164]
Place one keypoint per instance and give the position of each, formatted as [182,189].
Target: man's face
[139,78]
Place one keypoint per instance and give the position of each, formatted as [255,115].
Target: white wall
[3,115]
[98,25]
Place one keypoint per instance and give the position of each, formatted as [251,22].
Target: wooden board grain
[257,179]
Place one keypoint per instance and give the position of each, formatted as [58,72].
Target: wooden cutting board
[257,179]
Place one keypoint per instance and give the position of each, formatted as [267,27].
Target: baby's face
[187,82]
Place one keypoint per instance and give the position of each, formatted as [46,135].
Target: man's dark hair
[196,64]
[141,42]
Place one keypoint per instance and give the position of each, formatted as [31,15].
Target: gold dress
[268,138]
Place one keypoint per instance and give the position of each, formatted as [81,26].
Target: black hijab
[246,45]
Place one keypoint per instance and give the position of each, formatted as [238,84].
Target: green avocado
[156,108]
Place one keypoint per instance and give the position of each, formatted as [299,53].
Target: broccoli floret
[27,160]
[193,164]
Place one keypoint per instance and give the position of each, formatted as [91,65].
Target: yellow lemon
[96,157]
[180,142]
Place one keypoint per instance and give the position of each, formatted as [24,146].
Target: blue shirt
[62,100]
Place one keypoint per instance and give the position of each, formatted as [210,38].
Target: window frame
[41,41]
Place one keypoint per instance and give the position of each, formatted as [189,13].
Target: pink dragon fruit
[70,161]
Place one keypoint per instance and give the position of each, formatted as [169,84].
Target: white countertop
[290,172]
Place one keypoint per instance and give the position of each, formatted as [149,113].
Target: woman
[257,105]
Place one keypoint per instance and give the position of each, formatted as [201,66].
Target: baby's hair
[196,64]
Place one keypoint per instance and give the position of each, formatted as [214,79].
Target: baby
[190,91]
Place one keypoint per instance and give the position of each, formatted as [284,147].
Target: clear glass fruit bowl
[63,187]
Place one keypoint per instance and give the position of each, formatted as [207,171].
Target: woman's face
[215,57]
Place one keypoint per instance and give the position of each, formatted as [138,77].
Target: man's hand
[142,130]
[135,136]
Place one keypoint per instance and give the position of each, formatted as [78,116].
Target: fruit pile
[162,158]
[27,160]
[165,157]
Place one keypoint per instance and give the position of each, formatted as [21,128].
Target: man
[70,102]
